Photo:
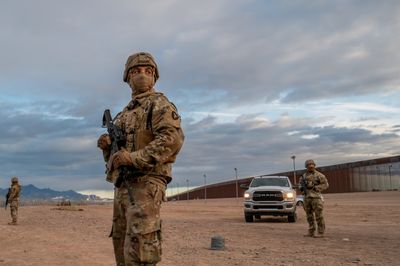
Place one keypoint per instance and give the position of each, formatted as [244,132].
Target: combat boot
[12,223]
[319,235]
[309,234]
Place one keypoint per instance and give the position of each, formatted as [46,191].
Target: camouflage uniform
[13,199]
[312,184]
[151,126]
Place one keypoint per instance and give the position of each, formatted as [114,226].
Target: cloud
[226,46]
[218,148]
[42,139]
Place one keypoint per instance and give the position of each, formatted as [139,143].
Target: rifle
[116,136]
[118,142]
[303,185]
[7,197]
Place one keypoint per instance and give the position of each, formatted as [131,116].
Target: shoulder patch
[175,115]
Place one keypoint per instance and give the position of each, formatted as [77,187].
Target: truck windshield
[282,182]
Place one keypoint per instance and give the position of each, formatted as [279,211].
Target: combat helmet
[140,59]
[307,162]
[14,179]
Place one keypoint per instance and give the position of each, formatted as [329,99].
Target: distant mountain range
[30,192]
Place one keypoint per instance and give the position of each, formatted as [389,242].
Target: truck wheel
[292,218]
[248,218]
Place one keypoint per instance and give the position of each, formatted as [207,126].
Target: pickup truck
[270,195]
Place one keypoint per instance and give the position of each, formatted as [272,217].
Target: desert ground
[362,229]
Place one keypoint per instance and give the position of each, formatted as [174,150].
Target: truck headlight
[289,195]
[246,195]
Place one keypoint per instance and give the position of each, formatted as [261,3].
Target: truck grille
[271,207]
[267,196]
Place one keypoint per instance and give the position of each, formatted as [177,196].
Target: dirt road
[362,229]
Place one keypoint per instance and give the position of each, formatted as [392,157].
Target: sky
[255,82]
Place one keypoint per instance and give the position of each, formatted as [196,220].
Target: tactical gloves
[124,158]
[104,142]
[120,158]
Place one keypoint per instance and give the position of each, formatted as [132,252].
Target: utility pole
[294,169]
[390,176]
[205,188]
[187,190]
[177,189]
[237,192]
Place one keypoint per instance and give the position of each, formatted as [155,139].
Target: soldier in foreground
[312,183]
[141,168]
[13,199]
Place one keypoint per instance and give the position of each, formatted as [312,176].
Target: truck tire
[248,218]
[292,218]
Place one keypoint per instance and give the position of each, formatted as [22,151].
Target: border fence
[369,175]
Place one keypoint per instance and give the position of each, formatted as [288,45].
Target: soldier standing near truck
[13,200]
[312,183]
[150,129]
